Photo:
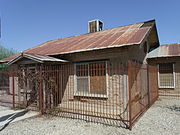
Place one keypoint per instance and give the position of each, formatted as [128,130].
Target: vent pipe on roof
[94,26]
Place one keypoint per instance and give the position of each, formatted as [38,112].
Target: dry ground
[163,118]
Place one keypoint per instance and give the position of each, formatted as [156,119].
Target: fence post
[157,87]
[40,93]
[149,93]
[13,91]
[129,86]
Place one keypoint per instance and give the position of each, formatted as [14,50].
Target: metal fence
[17,89]
[105,92]
[143,89]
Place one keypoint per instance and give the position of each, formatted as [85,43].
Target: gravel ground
[3,108]
[163,118]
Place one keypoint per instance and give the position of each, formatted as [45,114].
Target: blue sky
[26,23]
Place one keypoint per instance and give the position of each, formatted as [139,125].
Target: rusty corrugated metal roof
[9,58]
[167,50]
[36,57]
[116,37]
[127,35]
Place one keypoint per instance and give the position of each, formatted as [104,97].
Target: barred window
[91,78]
[166,75]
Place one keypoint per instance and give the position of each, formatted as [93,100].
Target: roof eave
[31,57]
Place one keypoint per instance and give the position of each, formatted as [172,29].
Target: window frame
[89,94]
[174,78]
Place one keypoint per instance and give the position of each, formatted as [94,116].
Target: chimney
[94,26]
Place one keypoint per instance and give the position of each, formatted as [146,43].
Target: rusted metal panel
[168,50]
[116,37]
[91,41]
[174,50]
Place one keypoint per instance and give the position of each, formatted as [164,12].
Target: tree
[4,53]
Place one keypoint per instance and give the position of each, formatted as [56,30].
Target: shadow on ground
[10,117]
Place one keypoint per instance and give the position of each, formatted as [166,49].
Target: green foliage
[4,53]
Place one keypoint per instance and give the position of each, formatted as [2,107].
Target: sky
[26,23]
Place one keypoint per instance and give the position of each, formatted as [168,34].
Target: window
[91,79]
[166,75]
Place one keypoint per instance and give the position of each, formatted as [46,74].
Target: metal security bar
[168,78]
[108,92]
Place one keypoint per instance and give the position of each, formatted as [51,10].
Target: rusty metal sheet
[116,37]
[174,50]
[167,50]
[92,41]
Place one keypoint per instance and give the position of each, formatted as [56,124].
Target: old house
[166,58]
[89,74]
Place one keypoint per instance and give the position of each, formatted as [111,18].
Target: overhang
[167,50]
[36,57]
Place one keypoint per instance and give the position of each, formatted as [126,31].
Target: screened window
[166,75]
[91,79]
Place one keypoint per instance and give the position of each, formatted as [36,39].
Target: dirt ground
[163,118]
